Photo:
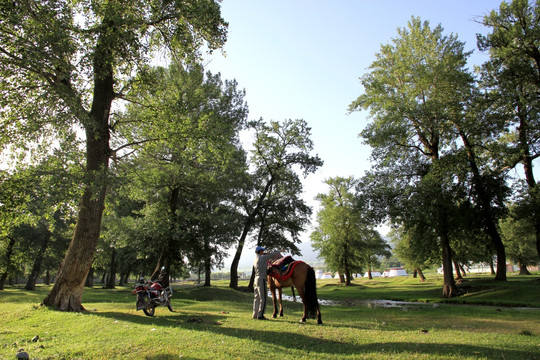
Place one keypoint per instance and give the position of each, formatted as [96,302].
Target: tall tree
[478,133]
[406,92]
[44,196]
[63,63]
[413,252]
[513,76]
[519,238]
[342,236]
[278,150]
[186,161]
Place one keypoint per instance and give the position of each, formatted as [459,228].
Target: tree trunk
[48,277]
[527,161]
[449,285]
[9,253]
[90,278]
[523,269]
[207,271]
[66,294]
[169,248]
[164,261]
[36,268]
[346,276]
[252,279]
[207,262]
[487,210]
[112,270]
[233,283]
[121,279]
[463,272]
[420,274]
[247,227]
[457,269]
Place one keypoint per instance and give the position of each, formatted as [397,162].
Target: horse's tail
[310,293]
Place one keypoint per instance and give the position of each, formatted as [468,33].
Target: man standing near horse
[260,290]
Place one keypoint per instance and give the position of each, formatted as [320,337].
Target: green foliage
[37,209]
[344,237]
[519,239]
[280,152]
[185,166]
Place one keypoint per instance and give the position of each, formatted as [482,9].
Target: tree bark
[527,161]
[36,268]
[523,269]
[66,294]
[90,278]
[420,274]
[463,272]
[207,271]
[247,227]
[457,269]
[449,285]
[251,285]
[112,270]
[164,261]
[9,253]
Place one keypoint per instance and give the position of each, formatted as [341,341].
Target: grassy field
[215,323]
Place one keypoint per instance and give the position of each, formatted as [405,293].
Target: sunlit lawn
[215,323]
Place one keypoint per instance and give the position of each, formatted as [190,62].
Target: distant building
[396,272]
[373,274]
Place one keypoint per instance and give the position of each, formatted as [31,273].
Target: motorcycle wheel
[149,309]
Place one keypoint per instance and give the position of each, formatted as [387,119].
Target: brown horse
[303,279]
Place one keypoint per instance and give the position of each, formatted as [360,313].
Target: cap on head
[259,248]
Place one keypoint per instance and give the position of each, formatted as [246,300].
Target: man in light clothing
[260,290]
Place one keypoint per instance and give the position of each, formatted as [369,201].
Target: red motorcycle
[151,294]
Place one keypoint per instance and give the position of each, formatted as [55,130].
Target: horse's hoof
[319,322]
[274,316]
[280,315]
[302,320]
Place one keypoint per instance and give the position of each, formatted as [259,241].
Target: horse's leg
[301,294]
[273,291]
[293,295]
[280,293]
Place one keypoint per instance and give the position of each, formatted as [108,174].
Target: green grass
[215,323]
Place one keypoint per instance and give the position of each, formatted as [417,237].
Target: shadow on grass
[470,351]
[313,344]
[217,324]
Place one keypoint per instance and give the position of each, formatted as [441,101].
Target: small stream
[404,305]
[372,303]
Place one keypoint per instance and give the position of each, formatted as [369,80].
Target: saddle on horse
[282,268]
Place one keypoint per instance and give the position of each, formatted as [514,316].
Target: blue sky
[300,59]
